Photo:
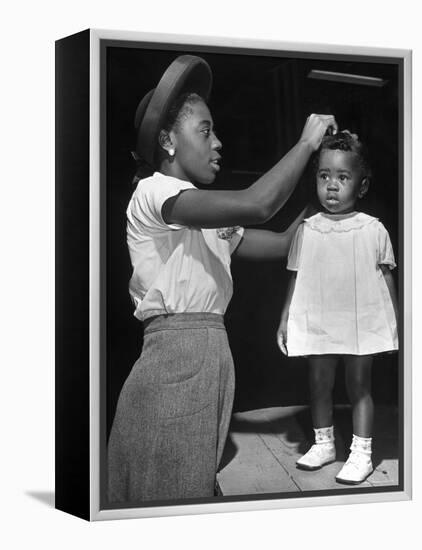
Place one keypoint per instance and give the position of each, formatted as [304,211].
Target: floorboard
[264,445]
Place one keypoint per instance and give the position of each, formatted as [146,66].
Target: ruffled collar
[338,223]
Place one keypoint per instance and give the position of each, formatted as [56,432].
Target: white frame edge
[94,273]
[407,286]
[172,510]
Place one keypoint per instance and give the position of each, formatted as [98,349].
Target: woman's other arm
[260,244]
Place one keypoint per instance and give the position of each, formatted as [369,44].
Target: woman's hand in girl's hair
[282,336]
[315,128]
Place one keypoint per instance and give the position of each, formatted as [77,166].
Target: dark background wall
[259,105]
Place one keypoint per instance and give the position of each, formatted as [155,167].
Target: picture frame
[100,77]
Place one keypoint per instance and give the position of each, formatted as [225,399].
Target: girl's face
[196,146]
[339,181]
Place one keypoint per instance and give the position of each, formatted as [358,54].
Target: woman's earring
[171,152]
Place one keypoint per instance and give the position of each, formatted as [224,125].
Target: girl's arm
[282,329]
[259,244]
[259,202]
[391,288]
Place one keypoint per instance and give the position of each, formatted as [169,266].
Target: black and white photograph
[251,267]
[210,266]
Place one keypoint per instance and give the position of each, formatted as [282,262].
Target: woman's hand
[282,336]
[315,128]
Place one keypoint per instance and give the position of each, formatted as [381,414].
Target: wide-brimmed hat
[187,73]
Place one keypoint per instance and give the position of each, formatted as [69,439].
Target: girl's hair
[180,108]
[345,141]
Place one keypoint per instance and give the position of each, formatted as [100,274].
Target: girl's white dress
[341,302]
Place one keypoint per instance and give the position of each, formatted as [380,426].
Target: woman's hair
[345,141]
[180,108]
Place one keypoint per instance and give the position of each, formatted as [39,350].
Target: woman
[173,412]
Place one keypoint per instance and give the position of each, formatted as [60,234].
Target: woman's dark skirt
[173,412]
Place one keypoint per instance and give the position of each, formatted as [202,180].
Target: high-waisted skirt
[173,412]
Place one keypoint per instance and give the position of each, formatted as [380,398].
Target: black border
[72,292]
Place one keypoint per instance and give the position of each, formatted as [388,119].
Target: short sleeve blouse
[176,268]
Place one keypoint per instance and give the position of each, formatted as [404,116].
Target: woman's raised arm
[259,202]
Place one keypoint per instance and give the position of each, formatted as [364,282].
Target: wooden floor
[263,446]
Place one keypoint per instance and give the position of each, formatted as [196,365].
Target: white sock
[324,435]
[361,445]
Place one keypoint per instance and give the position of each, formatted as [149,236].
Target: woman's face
[197,157]
[339,180]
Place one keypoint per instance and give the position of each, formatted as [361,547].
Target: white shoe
[357,468]
[318,455]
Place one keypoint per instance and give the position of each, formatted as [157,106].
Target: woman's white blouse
[176,269]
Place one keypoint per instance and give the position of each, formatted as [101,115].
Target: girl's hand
[282,336]
[315,128]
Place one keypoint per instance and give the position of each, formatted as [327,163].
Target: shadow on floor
[45,497]
[296,425]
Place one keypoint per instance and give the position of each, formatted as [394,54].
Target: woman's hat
[187,73]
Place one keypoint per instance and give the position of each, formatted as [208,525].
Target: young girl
[341,302]
[173,412]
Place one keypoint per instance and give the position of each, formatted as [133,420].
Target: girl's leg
[322,370]
[358,383]
[321,382]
